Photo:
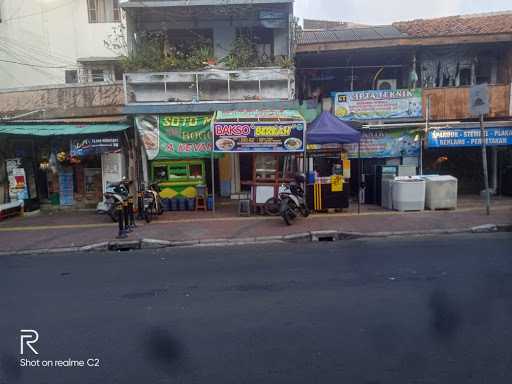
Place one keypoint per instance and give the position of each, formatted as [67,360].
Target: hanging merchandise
[52,163]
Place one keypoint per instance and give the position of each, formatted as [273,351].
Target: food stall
[177,147]
[328,181]
[269,144]
[178,178]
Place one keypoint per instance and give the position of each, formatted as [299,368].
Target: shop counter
[324,195]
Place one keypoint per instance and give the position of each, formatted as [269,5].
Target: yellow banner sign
[336,183]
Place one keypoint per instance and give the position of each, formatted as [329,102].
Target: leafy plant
[284,61]
[151,53]
[243,53]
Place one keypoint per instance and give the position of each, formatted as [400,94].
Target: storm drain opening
[124,246]
[327,238]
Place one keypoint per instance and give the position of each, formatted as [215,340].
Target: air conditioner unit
[386,84]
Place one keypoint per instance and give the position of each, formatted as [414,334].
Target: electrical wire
[16,12]
[32,65]
[34,47]
[34,54]
[40,12]
[8,73]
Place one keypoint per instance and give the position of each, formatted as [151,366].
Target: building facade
[211,68]
[409,85]
[57,42]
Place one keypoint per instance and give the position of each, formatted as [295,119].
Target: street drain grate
[326,238]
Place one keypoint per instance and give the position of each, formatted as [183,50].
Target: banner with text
[386,143]
[276,136]
[94,145]
[468,137]
[176,136]
[378,105]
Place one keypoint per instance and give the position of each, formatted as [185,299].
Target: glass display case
[178,178]
[266,167]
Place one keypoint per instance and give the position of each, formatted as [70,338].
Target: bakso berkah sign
[258,137]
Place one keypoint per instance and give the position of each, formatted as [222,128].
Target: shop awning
[60,129]
[327,129]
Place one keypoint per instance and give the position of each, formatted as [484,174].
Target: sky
[377,12]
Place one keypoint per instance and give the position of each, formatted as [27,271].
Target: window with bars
[103,11]
[97,75]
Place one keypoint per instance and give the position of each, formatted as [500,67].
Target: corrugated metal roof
[188,3]
[352,34]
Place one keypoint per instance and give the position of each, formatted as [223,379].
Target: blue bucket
[209,203]
[181,204]
[191,204]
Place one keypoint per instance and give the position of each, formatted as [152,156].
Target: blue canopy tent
[328,129]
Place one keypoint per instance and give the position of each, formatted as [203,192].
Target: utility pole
[425,133]
[479,106]
[484,164]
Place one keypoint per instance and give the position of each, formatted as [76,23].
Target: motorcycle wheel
[272,206]
[305,212]
[286,211]
[147,215]
[112,215]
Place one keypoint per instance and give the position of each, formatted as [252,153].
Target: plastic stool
[244,207]
[200,203]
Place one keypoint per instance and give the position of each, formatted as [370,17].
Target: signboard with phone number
[259,137]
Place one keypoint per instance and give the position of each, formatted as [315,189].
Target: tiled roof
[350,34]
[458,25]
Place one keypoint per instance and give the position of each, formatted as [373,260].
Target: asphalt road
[429,310]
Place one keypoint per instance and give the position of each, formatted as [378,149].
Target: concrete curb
[311,236]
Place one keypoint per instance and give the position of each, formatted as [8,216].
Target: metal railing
[210,86]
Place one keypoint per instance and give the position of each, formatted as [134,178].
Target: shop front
[262,148]
[329,174]
[60,165]
[178,149]
[456,150]
[388,146]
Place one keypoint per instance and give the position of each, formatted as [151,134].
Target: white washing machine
[408,193]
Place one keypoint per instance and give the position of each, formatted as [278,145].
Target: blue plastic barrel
[191,204]
[209,203]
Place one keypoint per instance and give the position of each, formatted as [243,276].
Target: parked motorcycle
[115,193]
[151,202]
[292,199]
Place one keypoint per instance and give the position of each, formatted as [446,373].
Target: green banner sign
[171,137]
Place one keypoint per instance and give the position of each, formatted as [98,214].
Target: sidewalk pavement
[75,229]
